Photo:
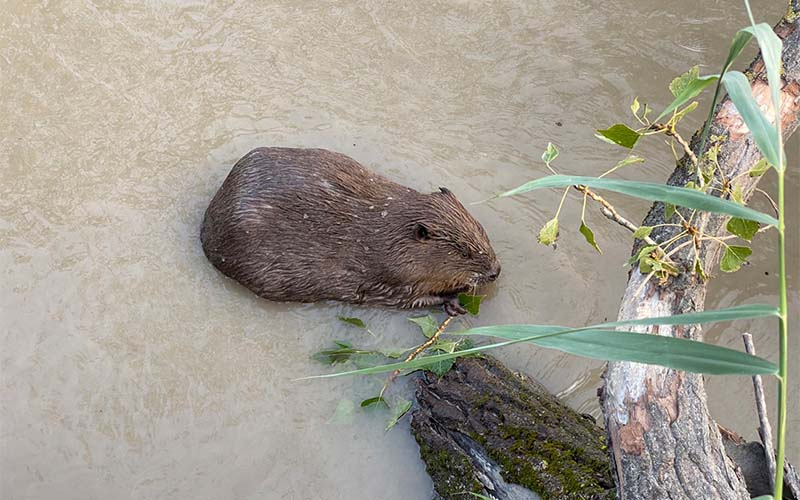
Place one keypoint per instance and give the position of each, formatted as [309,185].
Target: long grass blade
[542,332]
[650,191]
[765,135]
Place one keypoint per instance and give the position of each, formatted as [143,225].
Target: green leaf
[377,400]
[441,367]
[472,303]
[642,232]
[756,366]
[744,229]
[394,353]
[733,258]
[738,44]
[478,495]
[649,191]
[613,345]
[669,211]
[680,114]
[353,321]
[635,106]
[688,91]
[339,354]
[759,168]
[771,47]
[550,153]
[444,346]
[589,235]
[698,268]
[624,163]
[679,84]
[737,195]
[643,252]
[398,411]
[619,134]
[549,233]
[343,413]
[764,134]
[427,324]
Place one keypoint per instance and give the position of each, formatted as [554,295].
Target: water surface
[130,368]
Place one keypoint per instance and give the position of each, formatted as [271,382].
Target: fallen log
[482,428]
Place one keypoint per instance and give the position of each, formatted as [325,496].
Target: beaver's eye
[465,253]
[421,232]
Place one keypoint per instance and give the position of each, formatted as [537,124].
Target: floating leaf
[635,106]
[427,324]
[377,400]
[550,153]
[444,346]
[651,191]
[549,233]
[733,258]
[394,353]
[398,410]
[589,235]
[353,321]
[343,413]
[764,134]
[472,303]
[441,367]
[339,354]
[760,168]
[642,232]
[744,229]
[747,365]
[619,134]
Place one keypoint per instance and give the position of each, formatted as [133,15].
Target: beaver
[305,225]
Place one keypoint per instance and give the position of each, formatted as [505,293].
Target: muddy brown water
[130,368]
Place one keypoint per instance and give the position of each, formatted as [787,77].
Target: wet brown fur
[309,224]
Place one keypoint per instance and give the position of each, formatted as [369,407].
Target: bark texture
[482,428]
[663,442]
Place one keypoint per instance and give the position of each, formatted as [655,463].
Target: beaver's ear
[446,191]
[421,232]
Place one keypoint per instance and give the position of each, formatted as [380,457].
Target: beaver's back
[293,224]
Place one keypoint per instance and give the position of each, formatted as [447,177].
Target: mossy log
[482,428]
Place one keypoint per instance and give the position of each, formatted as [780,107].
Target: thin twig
[771,201]
[608,210]
[422,347]
[764,429]
[670,131]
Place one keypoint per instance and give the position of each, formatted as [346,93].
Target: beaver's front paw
[453,307]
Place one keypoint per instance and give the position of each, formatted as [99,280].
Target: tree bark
[482,428]
[663,442]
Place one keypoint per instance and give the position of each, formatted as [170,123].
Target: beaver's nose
[494,272]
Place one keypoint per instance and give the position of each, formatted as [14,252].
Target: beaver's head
[444,250]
